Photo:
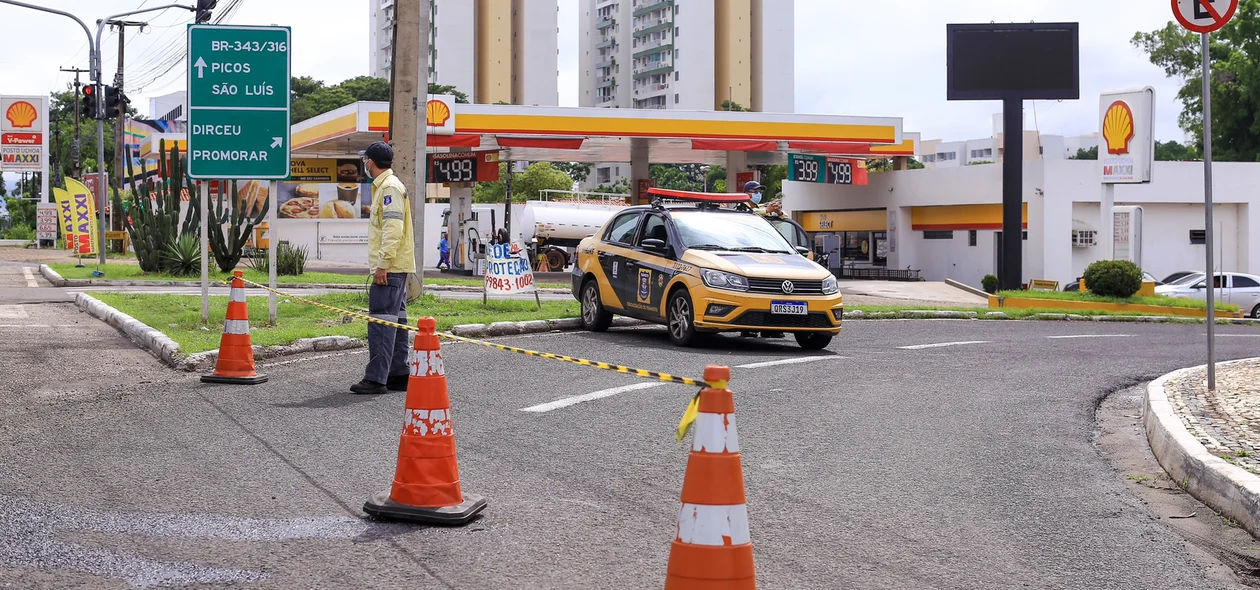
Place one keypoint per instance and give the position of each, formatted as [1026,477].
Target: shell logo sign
[439,114]
[1118,127]
[21,115]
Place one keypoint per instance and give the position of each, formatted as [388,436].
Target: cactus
[229,249]
[153,219]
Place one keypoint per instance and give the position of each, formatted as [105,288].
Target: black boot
[366,387]
[398,382]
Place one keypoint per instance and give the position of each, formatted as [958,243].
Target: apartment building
[491,50]
[936,153]
[684,54]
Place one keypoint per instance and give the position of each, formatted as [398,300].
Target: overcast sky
[852,57]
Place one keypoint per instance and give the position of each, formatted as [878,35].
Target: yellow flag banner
[84,208]
[65,215]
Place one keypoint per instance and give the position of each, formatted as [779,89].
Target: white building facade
[945,222]
[685,54]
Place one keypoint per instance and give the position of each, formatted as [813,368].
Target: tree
[1172,151]
[321,101]
[679,177]
[460,97]
[621,187]
[3,190]
[713,175]
[1085,154]
[732,106]
[301,86]
[526,185]
[578,171]
[61,134]
[772,177]
[915,164]
[367,88]
[1235,83]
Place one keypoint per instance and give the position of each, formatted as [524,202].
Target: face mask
[367,173]
[756,198]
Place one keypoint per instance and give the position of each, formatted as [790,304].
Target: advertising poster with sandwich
[325,189]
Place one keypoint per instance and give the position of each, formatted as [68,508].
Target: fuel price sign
[456,167]
[826,169]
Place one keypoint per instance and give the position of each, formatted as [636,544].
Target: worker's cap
[752,185]
[380,154]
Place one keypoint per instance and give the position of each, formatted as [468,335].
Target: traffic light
[114,100]
[89,103]
[203,10]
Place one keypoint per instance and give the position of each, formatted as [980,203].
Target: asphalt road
[969,465]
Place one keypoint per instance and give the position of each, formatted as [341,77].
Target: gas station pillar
[639,168]
[736,162]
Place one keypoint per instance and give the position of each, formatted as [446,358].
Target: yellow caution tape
[664,377]
[689,418]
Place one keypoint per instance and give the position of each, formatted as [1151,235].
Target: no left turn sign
[1204,16]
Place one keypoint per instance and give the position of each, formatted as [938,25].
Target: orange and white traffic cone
[712,549]
[236,353]
[426,481]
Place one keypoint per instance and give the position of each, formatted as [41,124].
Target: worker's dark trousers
[387,346]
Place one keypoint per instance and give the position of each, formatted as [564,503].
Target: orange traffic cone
[712,549]
[426,482]
[236,353]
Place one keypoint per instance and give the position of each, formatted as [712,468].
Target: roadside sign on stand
[1204,16]
[238,102]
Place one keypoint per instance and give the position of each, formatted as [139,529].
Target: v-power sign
[238,102]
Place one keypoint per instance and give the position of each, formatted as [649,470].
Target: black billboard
[1013,60]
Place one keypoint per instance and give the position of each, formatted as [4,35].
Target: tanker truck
[554,228]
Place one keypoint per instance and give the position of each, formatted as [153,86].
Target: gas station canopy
[568,134]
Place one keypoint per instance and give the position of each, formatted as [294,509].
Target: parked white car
[1230,287]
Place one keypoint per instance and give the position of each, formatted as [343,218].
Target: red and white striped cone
[236,352]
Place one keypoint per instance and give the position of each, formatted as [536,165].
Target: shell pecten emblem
[21,114]
[1118,127]
[437,113]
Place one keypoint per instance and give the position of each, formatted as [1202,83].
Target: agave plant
[228,243]
[183,256]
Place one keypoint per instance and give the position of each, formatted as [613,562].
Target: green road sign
[238,102]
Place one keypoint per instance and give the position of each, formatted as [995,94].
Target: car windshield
[1188,279]
[705,230]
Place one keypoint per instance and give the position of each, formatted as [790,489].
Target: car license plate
[789,308]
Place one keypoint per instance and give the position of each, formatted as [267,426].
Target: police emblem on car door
[645,286]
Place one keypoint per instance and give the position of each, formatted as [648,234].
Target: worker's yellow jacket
[390,242]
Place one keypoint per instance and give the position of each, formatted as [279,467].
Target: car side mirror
[653,244]
[802,250]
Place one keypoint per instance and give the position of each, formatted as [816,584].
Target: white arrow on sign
[201,68]
[277,142]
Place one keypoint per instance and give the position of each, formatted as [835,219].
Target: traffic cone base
[426,485]
[235,364]
[380,506]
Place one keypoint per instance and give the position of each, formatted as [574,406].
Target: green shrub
[989,283]
[182,257]
[290,260]
[20,232]
[1113,278]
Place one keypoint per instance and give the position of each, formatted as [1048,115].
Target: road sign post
[1206,17]
[238,109]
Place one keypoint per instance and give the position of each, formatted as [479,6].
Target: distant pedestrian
[391,257]
[444,252]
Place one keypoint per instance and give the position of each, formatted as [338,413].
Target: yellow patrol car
[699,268]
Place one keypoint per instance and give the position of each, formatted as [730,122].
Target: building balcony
[602,100]
[608,63]
[605,43]
[654,47]
[651,25]
[605,22]
[650,90]
[606,82]
[648,6]
[659,70]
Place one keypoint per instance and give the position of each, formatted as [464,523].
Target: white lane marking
[1234,335]
[1089,336]
[312,358]
[942,344]
[577,399]
[37,325]
[804,359]
[30,278]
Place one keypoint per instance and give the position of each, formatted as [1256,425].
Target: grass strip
[1180,302]
[132,272]
[179,316]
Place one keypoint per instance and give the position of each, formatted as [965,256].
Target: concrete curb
[205,361]
[146,337]
[967,288]
[912,314]
[58,281]
[1227,488]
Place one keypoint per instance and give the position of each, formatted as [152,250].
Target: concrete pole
[640,167]
[408,95]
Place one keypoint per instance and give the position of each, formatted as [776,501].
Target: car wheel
[594,317]
[1255,313]
[813,340]
[680,318]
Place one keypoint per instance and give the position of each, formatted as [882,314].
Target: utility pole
[120,128]
[76,171]
[408,132]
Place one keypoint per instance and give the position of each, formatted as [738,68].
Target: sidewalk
[1227,422]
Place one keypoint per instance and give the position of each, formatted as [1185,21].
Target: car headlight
[723,280]
[830,286]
